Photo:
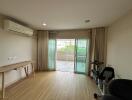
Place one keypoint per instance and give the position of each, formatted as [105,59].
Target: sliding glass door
[51,54]
[80,56]
[81,53]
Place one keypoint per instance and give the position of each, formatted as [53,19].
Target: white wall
[20,48]
[119,48]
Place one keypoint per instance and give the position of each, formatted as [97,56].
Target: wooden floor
[53,86]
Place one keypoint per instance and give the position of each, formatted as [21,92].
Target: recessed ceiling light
[44,24]
[87,21]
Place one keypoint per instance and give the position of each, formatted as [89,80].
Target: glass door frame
[75,57]
[56,56]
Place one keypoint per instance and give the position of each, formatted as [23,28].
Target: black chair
[119,89]
[107,74]
[105,77]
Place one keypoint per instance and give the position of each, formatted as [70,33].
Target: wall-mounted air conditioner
[13,26]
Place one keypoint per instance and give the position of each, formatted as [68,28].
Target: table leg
[3,85]
[33,70]
[26,71]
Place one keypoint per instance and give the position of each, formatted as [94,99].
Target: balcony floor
[68,66]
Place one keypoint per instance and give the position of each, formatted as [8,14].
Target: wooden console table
[15,66]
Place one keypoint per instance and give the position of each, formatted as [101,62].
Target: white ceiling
[65,14]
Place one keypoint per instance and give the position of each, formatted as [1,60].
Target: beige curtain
[100,45]
[92,49]
[43,50]
[97,45]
